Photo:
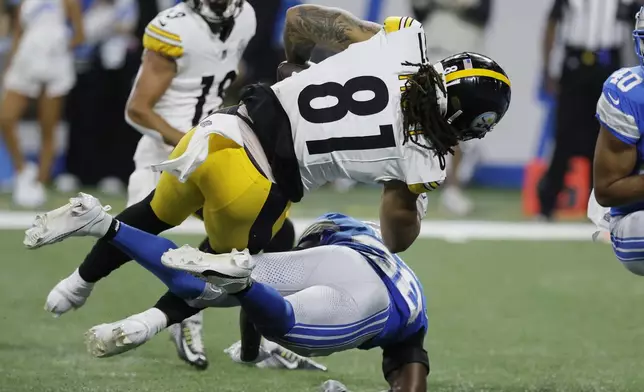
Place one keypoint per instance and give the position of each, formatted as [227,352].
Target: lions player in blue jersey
[619,159]
[348,291]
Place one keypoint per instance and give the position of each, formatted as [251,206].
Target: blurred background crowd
[556,52]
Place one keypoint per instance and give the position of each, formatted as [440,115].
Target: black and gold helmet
[478,93]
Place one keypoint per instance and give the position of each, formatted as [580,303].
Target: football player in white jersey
[376,112]
[192,54]
[40,66]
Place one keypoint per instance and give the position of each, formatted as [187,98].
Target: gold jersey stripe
[396,23]
[466,73]
[164,33]
[424,188]
[156,45]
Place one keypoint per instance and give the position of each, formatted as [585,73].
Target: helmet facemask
[638,35]
[217,11]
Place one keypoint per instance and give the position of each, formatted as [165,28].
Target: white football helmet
[216,11]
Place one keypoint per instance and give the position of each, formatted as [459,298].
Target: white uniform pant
[627,237]
[338,299]
[143,180]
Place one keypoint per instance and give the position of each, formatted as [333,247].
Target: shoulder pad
[163,33]
[396,23]
[618,106]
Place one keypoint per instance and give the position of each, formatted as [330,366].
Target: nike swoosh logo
[190,355]
[162,23]
[614,100]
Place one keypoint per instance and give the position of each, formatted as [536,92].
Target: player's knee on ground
[627,233]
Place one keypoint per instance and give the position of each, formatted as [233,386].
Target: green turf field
[504,316]
[362,201]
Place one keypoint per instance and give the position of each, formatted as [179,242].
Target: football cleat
[82,216]
[70,293]
[106,340]
[229,271]
[273,356]
[187,337]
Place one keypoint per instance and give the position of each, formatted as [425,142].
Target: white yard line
[446,230]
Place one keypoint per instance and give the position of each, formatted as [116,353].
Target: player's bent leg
[174,201]
[343,305]
[242,208]
[73,291]
[627,237]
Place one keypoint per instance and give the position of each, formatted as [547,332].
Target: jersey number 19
[347,104]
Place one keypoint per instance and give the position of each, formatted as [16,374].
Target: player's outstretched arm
[612,167]
[399,218]
[310,25]
[157,72]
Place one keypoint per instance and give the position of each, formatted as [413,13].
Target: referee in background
[593,32]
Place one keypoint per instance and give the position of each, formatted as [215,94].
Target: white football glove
[273,356]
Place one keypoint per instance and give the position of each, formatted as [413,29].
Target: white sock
[155,319]
[78,282]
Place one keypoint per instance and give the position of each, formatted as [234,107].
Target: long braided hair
[422,118]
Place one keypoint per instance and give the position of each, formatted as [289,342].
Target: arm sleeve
[162,38]
[422,169]
[400,354]
[618,114]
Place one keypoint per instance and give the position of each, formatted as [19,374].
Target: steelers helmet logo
[485,122]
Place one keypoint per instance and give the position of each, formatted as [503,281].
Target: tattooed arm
[330,28]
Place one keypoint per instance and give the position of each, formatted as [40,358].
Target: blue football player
[347,291]
[619,160]
[340,289]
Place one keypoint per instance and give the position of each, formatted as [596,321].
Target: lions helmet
[216,11]
[478,93]
[638,34]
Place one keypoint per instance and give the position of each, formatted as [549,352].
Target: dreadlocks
[421,113]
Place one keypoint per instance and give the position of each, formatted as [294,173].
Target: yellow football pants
[241,208]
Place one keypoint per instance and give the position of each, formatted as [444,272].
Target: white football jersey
[206,65]
[346,117]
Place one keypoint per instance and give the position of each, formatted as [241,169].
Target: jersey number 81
[347,104]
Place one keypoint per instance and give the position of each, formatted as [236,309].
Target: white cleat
[229,271]
[82,216]
[106,340]
[273,356]
[70,293]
